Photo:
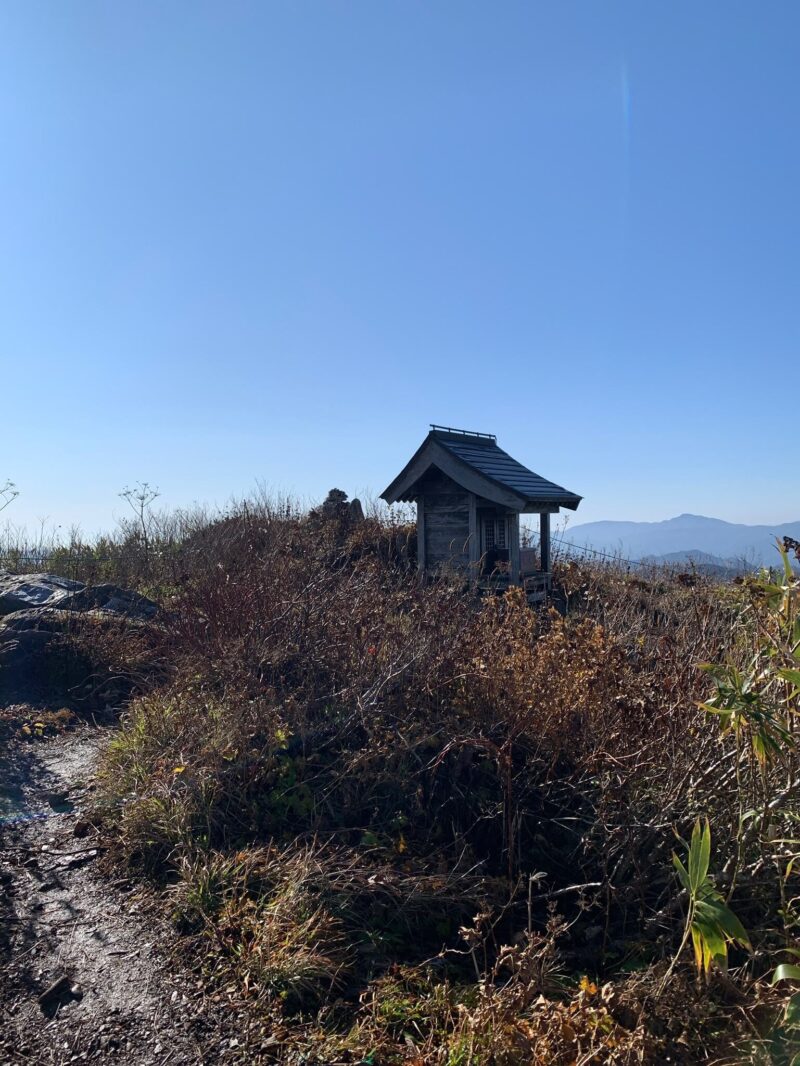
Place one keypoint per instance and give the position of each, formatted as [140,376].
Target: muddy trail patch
[87,971]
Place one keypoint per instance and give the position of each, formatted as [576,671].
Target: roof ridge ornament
[462,432]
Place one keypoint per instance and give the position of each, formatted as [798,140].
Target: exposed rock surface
[38,615]
[337,507]
[18,592]
[36,659]
[21,592]
[40,619]
[355,510]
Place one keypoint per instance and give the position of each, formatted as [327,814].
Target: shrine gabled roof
[479,464]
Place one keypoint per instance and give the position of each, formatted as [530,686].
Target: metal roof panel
[478,456]
[489,459]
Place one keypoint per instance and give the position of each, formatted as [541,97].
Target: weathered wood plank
[474,534]
[447,501]
[439,544]
[442,547]
[513,544]
[448,520]
[421,563]
[544,541]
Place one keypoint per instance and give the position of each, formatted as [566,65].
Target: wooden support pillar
[421,534]
[544,542]
[513,545]
[474,537]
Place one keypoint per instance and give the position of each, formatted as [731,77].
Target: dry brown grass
[344,767]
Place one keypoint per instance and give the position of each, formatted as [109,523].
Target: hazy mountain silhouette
[689,537]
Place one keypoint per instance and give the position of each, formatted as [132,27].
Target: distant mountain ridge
[687,538]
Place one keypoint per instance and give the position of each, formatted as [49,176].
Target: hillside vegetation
[410,825]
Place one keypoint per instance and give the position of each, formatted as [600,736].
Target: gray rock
[38,612]
[30,592]
[110,598]
[19,592]
[24,645]
[39,619]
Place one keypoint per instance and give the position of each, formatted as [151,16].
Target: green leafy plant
[746,706]
[790,1021]
[757,703]
[760,702]
[710,922]
[787,971]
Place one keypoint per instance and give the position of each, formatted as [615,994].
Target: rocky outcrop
[22,592]
[110,599]
[18,592]
[41,618]
[38,662]
[337,507]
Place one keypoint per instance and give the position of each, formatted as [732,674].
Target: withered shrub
[346,766]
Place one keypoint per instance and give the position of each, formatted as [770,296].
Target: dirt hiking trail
[86,969]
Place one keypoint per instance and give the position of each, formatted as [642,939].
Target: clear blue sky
[273,241]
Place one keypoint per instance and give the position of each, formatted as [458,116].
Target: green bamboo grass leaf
[699,948]
[699,855]
[683,876]
[723,712]
[719,914]
[787,971]
[733,928]
[772,591]
[787,566]
[792,676]
[760,749]
[792,1015]
[710,923]
[714,944]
